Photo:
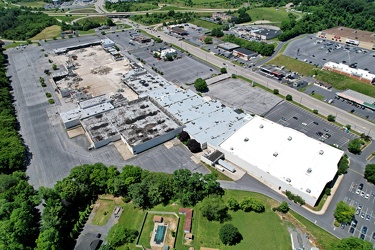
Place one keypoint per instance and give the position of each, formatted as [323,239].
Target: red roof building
[189,218]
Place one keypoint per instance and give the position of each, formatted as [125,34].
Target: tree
[315,111]
[355,145]
[183,136]
[251,204]
[343,212]
[276,91]
[229,235]
[200,85]
[194,146]
[225,27]
[223,70]
[54,66]
[120,235]
[217,32]
[208,40]
[289,97]
[283,207]
[233,204]
[370,173]
[169,57]
[331,118]
[354,243]
[343,165]
[110,22]
[214,209]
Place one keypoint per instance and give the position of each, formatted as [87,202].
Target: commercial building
[142,39]
[361,38]
[141,124]
[106,43]
[358,98]
[359,74]
[228,46]
[179,31]
[265,34]
[167,52]
[142,84]
[285,159]
[245,54]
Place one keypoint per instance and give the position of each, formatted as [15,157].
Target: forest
[357,14]
[17,24]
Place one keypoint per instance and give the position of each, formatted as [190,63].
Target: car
[283,118]
[362,215]
[211,70]
[373,235]
[304,123]
[359,206]
[364,230]
[358,191]
[362,236]
[360,186]
[316,123]
[295,117]
[351,230]
[342,225]
[357,212]
[354,223]
[319,133]
[368,217]
[362,193]
[373,194]
[326,130]
[328,135]
[367,196]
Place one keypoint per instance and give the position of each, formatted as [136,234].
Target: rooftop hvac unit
[246,139]
[288,180]
[321,152]
[261,126]
[289,138]
[309,170]
[308,190]
[275,154]
[231,148]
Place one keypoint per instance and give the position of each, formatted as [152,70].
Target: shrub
[183,136]
[223,70]
[289,97]
[315,111]
[354,146]
[51,101]
[194,146]
[200,85]
[48,95]
[230,235]
[331,118]
[283,207]
[276,91]
[54,66]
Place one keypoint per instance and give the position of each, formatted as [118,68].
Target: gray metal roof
[359,96]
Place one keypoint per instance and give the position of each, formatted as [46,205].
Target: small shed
[158,219]
[188,236]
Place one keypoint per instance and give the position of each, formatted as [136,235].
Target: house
[245,54]
[188,220]
[158,219]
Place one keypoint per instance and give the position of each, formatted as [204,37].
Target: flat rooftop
[228,46]
[357,97]
[79,113]
[146,83]
[138,121]
[99,127]
[94,101]
[286,154]
[206,121]
[354,34]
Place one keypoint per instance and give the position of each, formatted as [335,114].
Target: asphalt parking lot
[123,39]
[313,126]
[341,103]
[318,51]
[363,199]
[239,94]
[180,71]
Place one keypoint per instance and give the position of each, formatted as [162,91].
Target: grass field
[84,11]
[338,81]
[170,7]
[205,24]
[33,4]
[259,231]
[86,32]
[324,239]
[270,14]
[67,19]
[104,212]
[47,33]
[99,19]
[13,45]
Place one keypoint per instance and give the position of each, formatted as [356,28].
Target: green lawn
[338,81]
[86,32]
[325,240]
[144,240]
[171,7]
[259,231]
[99,19]
[89,10]
[317,96]
[270,14]
[67,19]
[47,33]
[37,4]
[104,212]
[205,24]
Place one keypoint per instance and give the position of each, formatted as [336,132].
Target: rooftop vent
[321,152]
[246,139]
[309,170]
[231,148]
[261,126]
[289,138]
[275,154]
[288,180]
[308,190]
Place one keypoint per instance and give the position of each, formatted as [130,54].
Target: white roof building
[166,52]
[344,69]
[283,158]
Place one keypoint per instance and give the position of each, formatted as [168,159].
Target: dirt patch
[75,132]
[102,70]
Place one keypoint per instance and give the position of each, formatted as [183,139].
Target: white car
[367,196]
[358,191]
[362,193]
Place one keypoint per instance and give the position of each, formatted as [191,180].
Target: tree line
[260,47]
[159,17]
[17,24]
